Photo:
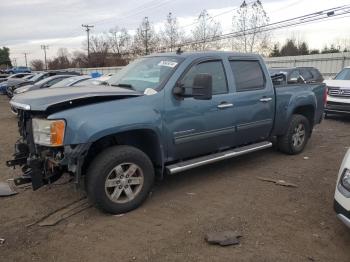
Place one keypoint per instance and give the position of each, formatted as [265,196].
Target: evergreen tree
[5,57]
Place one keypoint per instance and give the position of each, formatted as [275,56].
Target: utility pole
[25,57]
[88,28]
[45,47]
[14,62]
[146,33]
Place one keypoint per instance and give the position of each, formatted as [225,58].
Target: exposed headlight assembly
[48,132]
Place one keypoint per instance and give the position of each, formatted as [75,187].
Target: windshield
[343,75]
[66,82]
[37,77]
[146,72]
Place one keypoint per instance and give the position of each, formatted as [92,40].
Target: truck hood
[338,83]
[55,99]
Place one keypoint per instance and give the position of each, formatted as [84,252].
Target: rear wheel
[119,179]
[295,139]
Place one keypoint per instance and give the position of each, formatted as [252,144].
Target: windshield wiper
[123,85]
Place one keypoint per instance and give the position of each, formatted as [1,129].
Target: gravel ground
[277,223]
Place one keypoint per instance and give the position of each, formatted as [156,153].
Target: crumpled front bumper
[32,167]
[47,164]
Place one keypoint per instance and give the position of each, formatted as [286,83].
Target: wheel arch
[146,140]
[308,111]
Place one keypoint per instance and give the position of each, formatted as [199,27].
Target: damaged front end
[40,151]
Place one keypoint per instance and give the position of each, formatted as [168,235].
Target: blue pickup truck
[162,114]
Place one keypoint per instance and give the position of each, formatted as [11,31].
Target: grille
[336,91]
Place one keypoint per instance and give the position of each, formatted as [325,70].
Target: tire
[286,143]
[115,173]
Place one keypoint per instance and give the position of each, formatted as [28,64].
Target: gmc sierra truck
[162,114]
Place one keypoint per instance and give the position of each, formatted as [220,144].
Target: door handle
[224,105]
[265,99]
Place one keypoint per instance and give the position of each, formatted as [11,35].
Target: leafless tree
[37,64]
[205,32]
[171,36]
[79,59]
[249,21]
[99,48]
[119,41]
[61,61]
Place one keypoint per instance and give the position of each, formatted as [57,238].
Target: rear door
[254,101]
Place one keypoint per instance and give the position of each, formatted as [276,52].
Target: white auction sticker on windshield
[167,63]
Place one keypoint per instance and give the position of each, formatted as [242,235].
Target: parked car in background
[3,76]
[342,191]
[13,79]
[14,76]
[45,83]
[71,81]
[297,75]
[338,101]
[38,77]
[19,69]
[163,113]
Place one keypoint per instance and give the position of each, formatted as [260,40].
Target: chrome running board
[204,160]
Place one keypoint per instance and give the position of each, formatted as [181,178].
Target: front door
[200,126]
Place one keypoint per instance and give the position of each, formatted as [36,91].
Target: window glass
[248,75]
[306,74]
[343,75]
[215,69]
[54,81]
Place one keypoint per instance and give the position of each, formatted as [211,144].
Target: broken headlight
[48,132]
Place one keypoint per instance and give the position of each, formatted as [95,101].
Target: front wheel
[119,179]
[295,139]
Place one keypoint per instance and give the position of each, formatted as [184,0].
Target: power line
[320,15]
[151,5]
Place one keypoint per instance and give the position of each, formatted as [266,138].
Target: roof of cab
[185,54]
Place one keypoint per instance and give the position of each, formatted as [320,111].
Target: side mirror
[295,80]
[202,87]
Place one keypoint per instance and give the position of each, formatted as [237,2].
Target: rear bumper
[342,213]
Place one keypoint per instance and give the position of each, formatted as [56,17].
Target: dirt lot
[277,223]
